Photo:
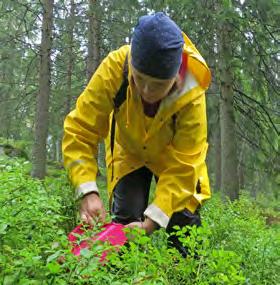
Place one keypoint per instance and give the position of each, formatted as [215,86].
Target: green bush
[240,227]
[234,245]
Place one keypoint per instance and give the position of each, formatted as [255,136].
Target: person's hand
[148,225]
[91,208]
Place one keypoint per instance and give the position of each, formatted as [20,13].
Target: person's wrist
[149,225]
[86,188]
[84,195]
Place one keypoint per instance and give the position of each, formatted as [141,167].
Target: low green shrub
[235,245]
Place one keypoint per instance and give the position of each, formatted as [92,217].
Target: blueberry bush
[235,244]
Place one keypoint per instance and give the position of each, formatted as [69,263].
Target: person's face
[151,89]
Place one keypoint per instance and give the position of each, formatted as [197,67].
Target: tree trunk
[229,177]
[6,116]
[218,166]
[41,118]
[70,35]
[93,38]
[58,150]
[101,155]
[94,58]
[53,149]
[241,168]
[255,183]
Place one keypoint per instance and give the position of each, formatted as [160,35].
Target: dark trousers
[130,200]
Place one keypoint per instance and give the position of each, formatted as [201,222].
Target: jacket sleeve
[185,160]
[89,122]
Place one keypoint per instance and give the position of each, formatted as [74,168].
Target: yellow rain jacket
[177,158]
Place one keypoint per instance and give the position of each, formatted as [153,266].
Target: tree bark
[70,36]
[218,166]
[94,56]
[6,116]
[93,38]
[58,150]
[229,177]
[41,118]
[241,168]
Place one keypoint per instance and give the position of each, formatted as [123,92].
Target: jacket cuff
[157,215]
[86,188]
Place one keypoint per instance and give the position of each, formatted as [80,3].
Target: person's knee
[130,196]
[181,219]
[184,218]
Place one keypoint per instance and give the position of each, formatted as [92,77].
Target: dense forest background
[49,50]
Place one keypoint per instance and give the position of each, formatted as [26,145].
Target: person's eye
[158,84]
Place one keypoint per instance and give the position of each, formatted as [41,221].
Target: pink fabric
[112,233]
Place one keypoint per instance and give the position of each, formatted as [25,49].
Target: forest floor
[239,243]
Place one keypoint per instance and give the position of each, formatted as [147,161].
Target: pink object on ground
[113,233]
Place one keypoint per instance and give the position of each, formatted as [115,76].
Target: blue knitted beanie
[156,47]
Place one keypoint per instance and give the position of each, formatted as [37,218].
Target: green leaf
[53,256]
[3,229]
[53,267]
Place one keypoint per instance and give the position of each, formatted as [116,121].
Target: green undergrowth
[235,245]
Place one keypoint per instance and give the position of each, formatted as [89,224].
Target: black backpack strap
[121,95]
[118,101]
[174,120]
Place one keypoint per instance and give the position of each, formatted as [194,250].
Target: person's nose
[146,89]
